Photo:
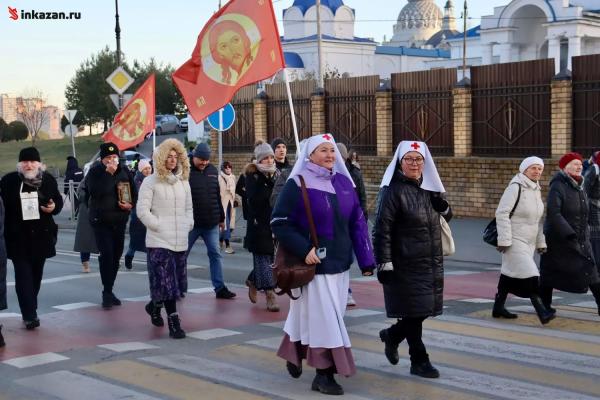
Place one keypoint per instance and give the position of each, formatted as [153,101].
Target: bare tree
[31,109]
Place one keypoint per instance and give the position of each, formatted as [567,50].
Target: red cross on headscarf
[326,137]
[415,146]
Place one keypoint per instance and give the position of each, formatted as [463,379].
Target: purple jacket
[340,222]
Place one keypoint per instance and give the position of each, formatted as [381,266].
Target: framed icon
[124,190]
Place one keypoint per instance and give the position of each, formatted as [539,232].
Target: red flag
[136,119]
[238,46]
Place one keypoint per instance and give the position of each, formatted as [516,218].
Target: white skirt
[316,319]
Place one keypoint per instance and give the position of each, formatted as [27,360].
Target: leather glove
[438,203]
[385,273]
[542,250]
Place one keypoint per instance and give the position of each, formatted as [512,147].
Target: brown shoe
[251,291]
[86,267]
[271,301]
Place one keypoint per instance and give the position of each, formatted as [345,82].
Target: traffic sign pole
[71,117]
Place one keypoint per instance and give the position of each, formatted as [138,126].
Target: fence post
[260,118]
[561,103]
[317,110]
[463,120]
[383,112]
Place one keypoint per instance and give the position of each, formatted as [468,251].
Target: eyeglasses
[410,160]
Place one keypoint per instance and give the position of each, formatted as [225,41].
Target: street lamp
[118,36]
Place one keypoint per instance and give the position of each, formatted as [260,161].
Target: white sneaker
[350,302]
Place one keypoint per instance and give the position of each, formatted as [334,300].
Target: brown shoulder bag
[291,272]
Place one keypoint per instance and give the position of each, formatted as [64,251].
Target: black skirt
[525,287]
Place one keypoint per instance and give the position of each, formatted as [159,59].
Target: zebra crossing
[477,358]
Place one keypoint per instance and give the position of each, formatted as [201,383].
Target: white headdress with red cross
[431,178]
[309,145]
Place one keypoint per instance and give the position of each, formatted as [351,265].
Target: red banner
[238,46]
[136,119]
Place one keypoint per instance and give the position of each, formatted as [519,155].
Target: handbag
[490,233]
[290,271]
[447,239]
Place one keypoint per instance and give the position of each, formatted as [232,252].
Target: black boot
[542,312]
[2,342]
[546,296]
[175,330]
[424,369]
[391,347]
[128,262]
[153,311]
[325,383]
[499,311]
[595,288]
[294,370]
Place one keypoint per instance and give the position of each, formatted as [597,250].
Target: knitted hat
[29,154]
[143,164]
[343,150]
[276,142]
[567,158]
[262,151]
[528,162]
[202,151]
[108,149]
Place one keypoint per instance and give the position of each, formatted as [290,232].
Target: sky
[38,55]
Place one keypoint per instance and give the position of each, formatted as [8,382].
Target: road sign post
[72,130]
[222,120]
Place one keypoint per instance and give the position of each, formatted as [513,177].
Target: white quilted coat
[523,233]
[165,207]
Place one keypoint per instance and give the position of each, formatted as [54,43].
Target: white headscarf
[528,162]
[309,146]
[431,178]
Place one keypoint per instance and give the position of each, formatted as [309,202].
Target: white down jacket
[165,207]
[523,233]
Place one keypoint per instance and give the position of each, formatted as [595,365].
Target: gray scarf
[35,182]
[266,169]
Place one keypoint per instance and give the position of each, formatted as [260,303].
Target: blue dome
[292,60]
[304,5]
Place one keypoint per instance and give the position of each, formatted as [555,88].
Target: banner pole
[153,140]
[220,138]
[293,114]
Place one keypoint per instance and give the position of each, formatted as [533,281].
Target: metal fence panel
[240,138]
[586,104]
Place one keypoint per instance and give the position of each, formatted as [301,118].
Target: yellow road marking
[587,310]
[559,323]
[508,369]
[381,386]
[165,382]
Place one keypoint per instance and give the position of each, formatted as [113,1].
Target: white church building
[425,36]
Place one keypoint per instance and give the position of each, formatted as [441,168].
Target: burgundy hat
[567,158]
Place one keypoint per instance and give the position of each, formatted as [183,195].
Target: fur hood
[250,169]
[160,157]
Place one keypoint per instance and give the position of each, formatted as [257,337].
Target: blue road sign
[228,118]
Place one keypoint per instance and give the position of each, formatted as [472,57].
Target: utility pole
[118,36]
[319,47]
[465,41]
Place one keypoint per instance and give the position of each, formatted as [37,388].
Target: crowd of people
[180,197]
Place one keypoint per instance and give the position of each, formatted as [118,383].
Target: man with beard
[31,198]
[109,211]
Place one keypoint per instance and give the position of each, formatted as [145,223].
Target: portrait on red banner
[230,48]
[130,125]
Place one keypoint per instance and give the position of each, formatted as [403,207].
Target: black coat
[34,237]
[3,304]
[240,190]
[568,265]
[360,186]
[137,230]
[72,173]
[103,195]
[407,233]
[206,197]
[259,238]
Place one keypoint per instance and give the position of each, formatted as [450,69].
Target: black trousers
[110,241]
[411,329]
[28,280]
[546,294]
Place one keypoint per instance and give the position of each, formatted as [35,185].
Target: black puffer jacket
[568,265]
[104,197]
[259,238]
[407,233]
[206,197]
[34,237]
